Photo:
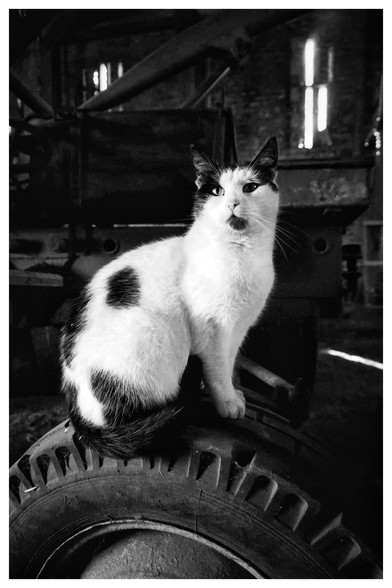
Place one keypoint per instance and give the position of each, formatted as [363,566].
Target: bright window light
[103,77]
[308,139]
[309,62]
[322,108]
[120,69]
[96,78]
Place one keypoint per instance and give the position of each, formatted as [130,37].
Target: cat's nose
[233,204]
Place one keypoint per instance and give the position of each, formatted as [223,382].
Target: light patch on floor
[355,358]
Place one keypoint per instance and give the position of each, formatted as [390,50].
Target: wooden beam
[225,31]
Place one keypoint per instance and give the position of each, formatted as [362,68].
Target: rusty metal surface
[324,186]
[26,278]
[302,269]
[125,167]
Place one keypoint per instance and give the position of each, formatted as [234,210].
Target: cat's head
[239,198]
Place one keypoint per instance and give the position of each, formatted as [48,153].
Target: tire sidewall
[117,495]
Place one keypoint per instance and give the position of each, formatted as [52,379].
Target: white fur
[200,295]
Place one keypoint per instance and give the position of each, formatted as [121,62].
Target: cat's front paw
[233,407]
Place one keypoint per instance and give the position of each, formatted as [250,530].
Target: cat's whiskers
[273,224]
[279,239]
[294,226]
[288,244]
[270,233]
[285,232]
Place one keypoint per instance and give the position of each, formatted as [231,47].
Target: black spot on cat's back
[123,289]
[75,324]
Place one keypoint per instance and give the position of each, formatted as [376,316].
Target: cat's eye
[251,187]
[217,191]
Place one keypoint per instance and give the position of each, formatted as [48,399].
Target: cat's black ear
[204,166]
[267,156]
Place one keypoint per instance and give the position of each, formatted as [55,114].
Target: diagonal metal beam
[219,73]
[28,96]
[225,31]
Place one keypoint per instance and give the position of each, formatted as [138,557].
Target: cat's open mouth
[237,222]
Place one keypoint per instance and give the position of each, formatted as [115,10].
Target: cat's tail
[131,438]
[144,430]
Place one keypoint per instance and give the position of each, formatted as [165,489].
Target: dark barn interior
[103,107]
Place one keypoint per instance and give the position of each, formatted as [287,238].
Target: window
[317,75]
[97,79]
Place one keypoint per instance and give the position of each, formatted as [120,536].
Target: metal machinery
[100,182]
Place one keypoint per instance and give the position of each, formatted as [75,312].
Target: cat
[135,325]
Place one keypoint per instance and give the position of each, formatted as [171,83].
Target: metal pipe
[28,96]
[214,33]
[262,373]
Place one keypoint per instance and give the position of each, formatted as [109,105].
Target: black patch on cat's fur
[118,399]
[267,156]
[203,194]
[134,430]
[205,167]
[71,395]
[206,189]
[70,392]
[265,162]
[123,289]
[237,223]
[207,178]
[76,322]
[273,186]
[267,176]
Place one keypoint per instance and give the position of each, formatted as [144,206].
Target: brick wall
[263,99]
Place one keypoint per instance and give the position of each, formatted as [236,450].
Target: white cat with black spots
[142,315]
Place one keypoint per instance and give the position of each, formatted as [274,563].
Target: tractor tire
[231,499]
